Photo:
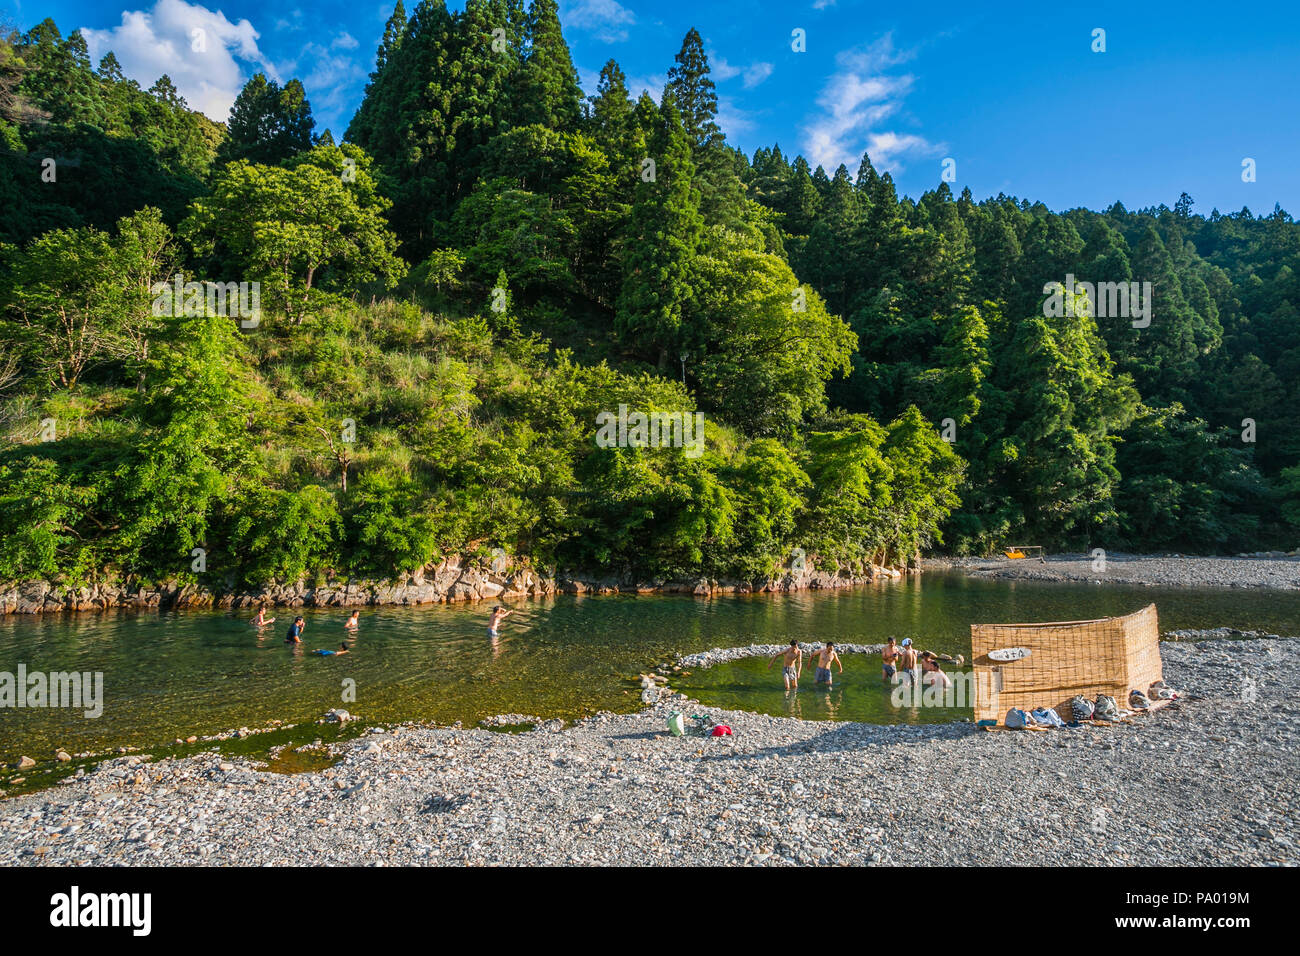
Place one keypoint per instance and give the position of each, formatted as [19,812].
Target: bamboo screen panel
[1110,656]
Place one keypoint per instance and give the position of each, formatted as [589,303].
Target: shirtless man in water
[499,614]
[792,665]
[888,656]
[932,674]
[907,662]
[825,658]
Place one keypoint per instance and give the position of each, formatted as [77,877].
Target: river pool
[171,675]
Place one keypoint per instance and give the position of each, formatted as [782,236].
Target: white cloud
[333,81]
[653,84]
[756,73]
[886,147]
[859,97]
[732,120]
[293,22]
[344,41]
[606,19]
[589,80]
[753,74]
[162,40]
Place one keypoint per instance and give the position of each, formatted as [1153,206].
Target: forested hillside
[457,286]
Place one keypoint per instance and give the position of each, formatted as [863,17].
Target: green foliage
[851,501]
[947,298]
[77,298]
[268,123]
[663,234]
[696,98]
[1185,486]
[387,530]
[548,92]
[1291,489]
[315,223]
[796,311]
[115,148]
[766,344]
[277,534]
[39,510]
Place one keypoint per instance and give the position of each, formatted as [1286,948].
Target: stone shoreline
[1280,571]
[1208,780]
[451,581]
[722,655]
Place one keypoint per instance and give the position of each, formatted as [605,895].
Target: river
[171,675]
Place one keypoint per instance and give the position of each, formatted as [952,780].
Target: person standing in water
[499,614]
[889,657]
[792,665]
[294,636]
[825,658]
[261,620]
[354,621]
[907,662]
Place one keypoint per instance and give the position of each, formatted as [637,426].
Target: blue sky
[1015,94]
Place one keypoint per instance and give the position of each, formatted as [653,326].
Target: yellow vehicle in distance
[1018,552]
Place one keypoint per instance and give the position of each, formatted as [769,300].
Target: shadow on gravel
[856,739]
[444,804]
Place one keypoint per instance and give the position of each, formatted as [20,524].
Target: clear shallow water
[176,674]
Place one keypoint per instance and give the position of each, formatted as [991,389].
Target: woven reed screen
[1110,656]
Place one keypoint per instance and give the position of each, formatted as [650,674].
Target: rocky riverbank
[1279,571]
[1204,781]
[453,580]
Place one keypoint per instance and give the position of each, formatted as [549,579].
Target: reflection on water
[175,674]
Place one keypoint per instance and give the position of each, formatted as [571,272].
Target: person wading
[792,664]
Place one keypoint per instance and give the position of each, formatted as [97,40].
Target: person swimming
[342,650]
[261,620]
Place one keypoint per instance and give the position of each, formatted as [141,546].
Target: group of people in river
[294,634]
[901,663]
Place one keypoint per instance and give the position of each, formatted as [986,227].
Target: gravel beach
[1163,570]
[1204,781]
